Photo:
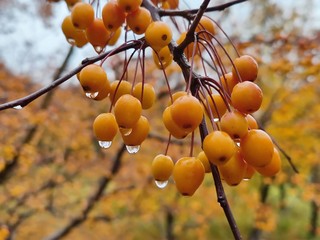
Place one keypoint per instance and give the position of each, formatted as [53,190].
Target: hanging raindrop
[71,41]
[105,144]
[92,94]
[133,149]
[98,49]
[18,107]
[161,184]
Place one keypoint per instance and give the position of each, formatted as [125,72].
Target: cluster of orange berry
[82,25]
[236,145]
[128,102]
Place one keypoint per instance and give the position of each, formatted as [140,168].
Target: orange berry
[105,127]
[119,88]
[176,95]
[250,171]
[217,105]
[187,112]
[82,15]
[174,4]
[71,3]
[114,37]
[273,167]
[171,126]
[247,68]
[139,20]
[127,111]
[228,82]
[138,134]
[206,24]
[113,16]
[206,164]
[162,167]
[257,148]
[235,124]
[129,5]
[233,171]
[98,35]
[92,78]
[218,147]
[252,122]
[246,97]
[189,49]
[147,97]
[73,35]
[188,174]
[104,92]
[158,35]
[163,58]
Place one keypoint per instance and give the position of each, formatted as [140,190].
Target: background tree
[62,177]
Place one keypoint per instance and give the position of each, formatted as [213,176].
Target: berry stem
[221,196]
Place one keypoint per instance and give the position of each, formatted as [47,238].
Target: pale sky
[30,46]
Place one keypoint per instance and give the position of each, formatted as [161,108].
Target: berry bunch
[235,145]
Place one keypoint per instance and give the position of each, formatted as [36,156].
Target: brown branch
[222,198]
[97,194]
[21,102]
[189,14]
[9,166]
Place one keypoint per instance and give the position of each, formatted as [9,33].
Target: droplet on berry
[133,149]
[105,144]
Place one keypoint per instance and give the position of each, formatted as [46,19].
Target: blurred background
[57,183]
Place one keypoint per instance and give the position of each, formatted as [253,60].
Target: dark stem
[222,198]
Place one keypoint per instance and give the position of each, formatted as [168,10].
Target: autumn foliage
[188,111]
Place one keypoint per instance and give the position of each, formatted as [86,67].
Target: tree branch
[97,194]
[21,102]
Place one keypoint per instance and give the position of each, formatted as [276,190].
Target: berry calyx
[113,16]
[82,15]
[158,35]
[92,78]
[139,20]
[129,5]
[218,147]
[235,124]
[187,112]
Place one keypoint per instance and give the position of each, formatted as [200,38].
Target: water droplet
[161,184]
[71,41]
[237,143]
[246,179]
[98,49]
[125,131]
[133,149]
[92,94]
[216,119]
[105,144]
[18,107]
